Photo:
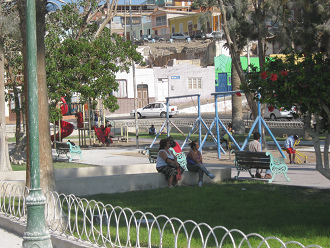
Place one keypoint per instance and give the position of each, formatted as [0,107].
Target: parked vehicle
[214,34]
[179,36]
[144,37]
[156,109]
[200,35]
[155,38]
[274,113]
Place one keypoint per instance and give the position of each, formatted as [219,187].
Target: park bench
[245,161]
[152,154]
[180,157]
[67,147]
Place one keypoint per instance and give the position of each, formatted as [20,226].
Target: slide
[99,133]
[66,127]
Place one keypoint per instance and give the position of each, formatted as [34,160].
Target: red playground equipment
[66,127]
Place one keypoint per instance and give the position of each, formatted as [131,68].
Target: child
[289,144]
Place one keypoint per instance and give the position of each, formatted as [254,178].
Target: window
[74,97]
[122,89]
[198,25]
[181,27]
[160,20]
[194,83]
[12,100]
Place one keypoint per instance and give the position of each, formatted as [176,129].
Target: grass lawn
[287,212]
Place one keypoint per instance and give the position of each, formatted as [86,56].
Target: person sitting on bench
[255,146]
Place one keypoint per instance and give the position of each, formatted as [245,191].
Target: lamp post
[36,234]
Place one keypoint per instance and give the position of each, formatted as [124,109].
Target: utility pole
[125,21]
[36,234]
[134,80]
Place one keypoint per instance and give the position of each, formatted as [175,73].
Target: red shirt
[177,148]
[106,131]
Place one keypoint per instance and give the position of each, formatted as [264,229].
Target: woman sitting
[195,163]
[167,163]
[178,153]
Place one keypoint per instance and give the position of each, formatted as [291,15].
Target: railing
[186,122]
[108,226]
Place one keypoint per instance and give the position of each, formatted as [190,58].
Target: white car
[214,34]
[179,36]
[156,109]
[277,113]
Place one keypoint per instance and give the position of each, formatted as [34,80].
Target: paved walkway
[300,175]
[10,240]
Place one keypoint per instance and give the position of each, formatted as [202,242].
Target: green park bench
[65,148]
[245,161]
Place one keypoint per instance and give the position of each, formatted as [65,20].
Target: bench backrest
[61,145]
[252,159]
[152,152]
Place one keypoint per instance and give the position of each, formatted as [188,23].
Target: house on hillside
[154,84]
[222,66]
[160,23]
[206,22]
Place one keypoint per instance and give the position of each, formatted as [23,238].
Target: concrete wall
[130,182]
[109,180]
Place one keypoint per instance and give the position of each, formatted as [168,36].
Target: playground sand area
[210,153]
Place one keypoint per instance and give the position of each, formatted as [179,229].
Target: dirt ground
[210,154]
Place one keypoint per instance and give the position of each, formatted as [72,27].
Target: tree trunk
[17,105]
[4,154]
[314,130]
[47,173]
[237,109]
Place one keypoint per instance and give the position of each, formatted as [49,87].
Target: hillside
[160,53]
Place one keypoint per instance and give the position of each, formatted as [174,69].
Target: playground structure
[90,124]
[217,123]
[65,128]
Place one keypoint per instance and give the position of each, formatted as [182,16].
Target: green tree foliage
[303,80]
[309,25]
[78,62]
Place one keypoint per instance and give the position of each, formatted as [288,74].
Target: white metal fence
[109,226]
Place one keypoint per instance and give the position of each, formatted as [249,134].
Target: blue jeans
[198,168]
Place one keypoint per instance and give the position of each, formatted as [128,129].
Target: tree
[303,80]
[6,29]
[239,31]
[45,155]
[309,28]
[79,62]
